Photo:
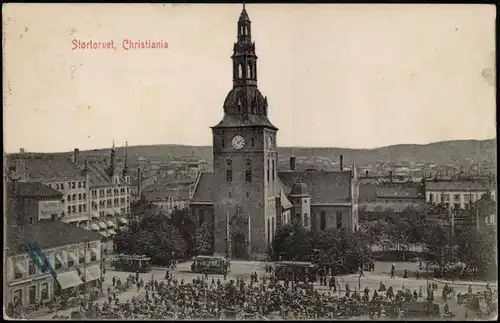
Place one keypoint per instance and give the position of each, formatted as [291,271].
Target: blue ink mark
[41,261]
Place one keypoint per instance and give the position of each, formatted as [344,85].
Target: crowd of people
[206,297]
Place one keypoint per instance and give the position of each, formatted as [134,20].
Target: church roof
[203,188]
[285,202]
[328,187]
[244,15]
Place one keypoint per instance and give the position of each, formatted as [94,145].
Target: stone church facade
[245,199]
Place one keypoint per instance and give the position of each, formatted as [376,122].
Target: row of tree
[427,228]
[164,237]
[342,250]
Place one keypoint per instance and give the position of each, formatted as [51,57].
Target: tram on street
[296,270]
[132,263]
[210,264]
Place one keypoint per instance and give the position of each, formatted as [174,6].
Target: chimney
[21,150]
[390,176]
[76,152]
[366,173]
[341,162]
[292,163]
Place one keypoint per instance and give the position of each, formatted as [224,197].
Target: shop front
[30,292]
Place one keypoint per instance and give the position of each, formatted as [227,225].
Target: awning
[102,225]
[94,227]
[59,258]
[92,273]
[103,233]
[95,251]
[69,279]
[110,224]
[20,268]
[111,232]
[123,221]
[95,215]
[73,257]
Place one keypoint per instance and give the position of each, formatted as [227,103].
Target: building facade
[244,198]
[71,251]
[61,174]
[110,198]
[32,202]
[456,194]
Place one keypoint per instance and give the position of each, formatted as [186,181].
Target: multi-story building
[169,196]
[71,251]
[32,202]
[61,174]
[456,194]
[109,198]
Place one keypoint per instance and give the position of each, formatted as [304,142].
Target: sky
[345,75]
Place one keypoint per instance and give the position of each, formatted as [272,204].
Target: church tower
[245,160]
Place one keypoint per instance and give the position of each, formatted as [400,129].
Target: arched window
[249,75]
[273,169]
[202,216]
[323,220]
[248,171]
[268,169]
[240,71]
[268,230]
[298,219]
[229,170]
[306,220]
[253,142]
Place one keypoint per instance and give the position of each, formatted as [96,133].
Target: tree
[292,242]
[202,242]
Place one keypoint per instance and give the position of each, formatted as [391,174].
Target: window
[80,196]
[222,143]
[79,184]
[57,186]
[81,259]
[128,189]
[73,209]
[32,295]
[253,142]
[69,197]
[73,185]
[62,186]
[431,198]
[273,169]
[31,268]
[240,71]
[339,220]
[53,217]
[248,171]
[306,220]
[268,170]
[69,209]
[457,197]
[456,206]
[71,262]
[248,194]
[229,171]
[201,216]
[84,207]
[31,220]
[44,291]
[84,196]
[272,226]
[298,219]
[93,256]
[74,197]
[84,184]
[322,220]
[249,71]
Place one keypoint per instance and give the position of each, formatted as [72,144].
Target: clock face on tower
[238,142]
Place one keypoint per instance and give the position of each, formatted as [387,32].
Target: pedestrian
[138,286]
[418,275]
[420,292]
[392,273]
[110,299]
[361,274]
[470,289]
[114,281]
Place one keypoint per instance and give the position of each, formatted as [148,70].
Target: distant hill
[441,153]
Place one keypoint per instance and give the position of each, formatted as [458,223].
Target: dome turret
[299,189]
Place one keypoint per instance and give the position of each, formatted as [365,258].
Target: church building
[246,199]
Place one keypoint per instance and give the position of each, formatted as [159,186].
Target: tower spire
[244,58]
[125,166]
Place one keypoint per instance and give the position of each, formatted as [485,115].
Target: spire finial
[113,144]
